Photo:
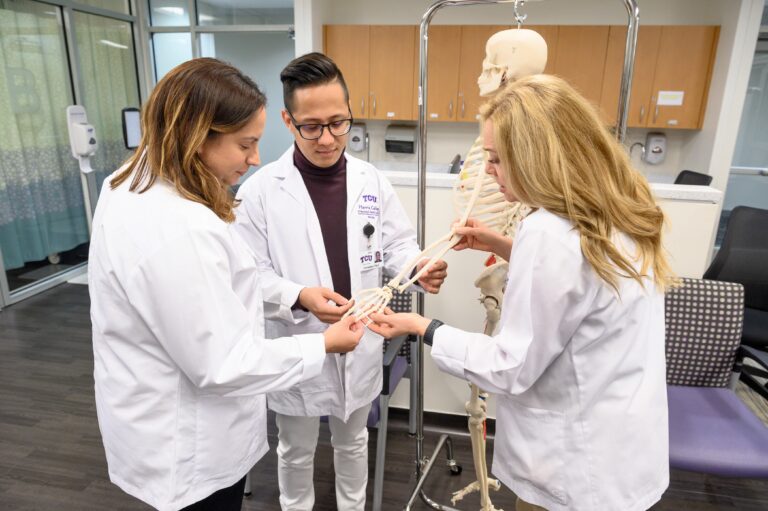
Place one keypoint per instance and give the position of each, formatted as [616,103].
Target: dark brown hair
[198,99]
[310,70]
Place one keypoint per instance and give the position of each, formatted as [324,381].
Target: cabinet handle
[450,109]
[374,104]
[463,108]
[362,106]
[656,109]
[642,113]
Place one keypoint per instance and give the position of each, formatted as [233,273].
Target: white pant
[296,453]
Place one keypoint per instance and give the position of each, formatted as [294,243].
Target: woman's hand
[343,336]
[477,236]
[392,325]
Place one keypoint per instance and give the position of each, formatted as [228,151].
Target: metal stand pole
[424,465]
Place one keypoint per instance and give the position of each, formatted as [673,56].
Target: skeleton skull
[509,55]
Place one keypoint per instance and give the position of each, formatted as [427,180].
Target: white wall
[261,56]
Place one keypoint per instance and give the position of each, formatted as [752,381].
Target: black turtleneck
[328,189]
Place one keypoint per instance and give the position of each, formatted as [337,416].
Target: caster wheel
[247,494]
[54,258]
[455,469]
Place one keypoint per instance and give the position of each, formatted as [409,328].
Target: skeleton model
[510,54]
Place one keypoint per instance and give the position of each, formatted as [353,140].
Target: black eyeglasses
[315,131]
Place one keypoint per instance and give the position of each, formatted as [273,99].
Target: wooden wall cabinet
[377,62]
[443,72]
[580,58]
[678,59]
[642,77]
[392,90]
[686,58]
[381,66]
[349,47]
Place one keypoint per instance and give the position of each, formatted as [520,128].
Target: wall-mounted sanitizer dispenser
[83,142]
[400,139]
[655,148]
[357,138]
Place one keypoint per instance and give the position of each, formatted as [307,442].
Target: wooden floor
[51,456]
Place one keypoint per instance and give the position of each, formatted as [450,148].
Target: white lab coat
[580,377]
[180,358]
[279,222]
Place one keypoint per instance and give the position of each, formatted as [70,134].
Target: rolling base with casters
[455,468]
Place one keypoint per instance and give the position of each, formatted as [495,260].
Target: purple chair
[710,429]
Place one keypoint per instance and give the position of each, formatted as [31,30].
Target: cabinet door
[686,56]
[642,76]
[443,72]
[549,33]
[391,63]
[471,55]
[348,46]
[580,58]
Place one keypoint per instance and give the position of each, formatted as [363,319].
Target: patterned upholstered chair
[710,429]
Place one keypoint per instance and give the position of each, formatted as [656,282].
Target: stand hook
[520,18]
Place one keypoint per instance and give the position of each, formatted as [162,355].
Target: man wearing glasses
[324,225]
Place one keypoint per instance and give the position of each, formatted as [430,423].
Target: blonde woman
[578,361]
[181,364]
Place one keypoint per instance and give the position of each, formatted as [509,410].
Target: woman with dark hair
[181,362]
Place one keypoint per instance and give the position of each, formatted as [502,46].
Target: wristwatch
[429,333]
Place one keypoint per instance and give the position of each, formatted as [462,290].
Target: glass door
[42,220]
[53,56]
[748,179]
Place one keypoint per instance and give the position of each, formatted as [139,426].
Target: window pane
[275,50]
[170,51]
[41,202]
[108,62]
[120,6]
[245,12]
[168,13]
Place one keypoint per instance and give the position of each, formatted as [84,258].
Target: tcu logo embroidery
[367,258]
[370,198]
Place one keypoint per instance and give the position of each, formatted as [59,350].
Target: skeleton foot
[493,484]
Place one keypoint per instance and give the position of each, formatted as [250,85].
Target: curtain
[41,203]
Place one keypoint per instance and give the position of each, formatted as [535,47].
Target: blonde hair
[558,155]
[196,100]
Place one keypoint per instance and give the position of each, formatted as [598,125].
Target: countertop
[663,191]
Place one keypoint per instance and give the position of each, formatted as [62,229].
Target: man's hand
[433,278]
[316,300]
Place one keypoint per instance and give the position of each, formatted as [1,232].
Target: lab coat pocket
[530,446]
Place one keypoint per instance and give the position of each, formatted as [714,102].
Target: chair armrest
[761,357]
[393,348]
